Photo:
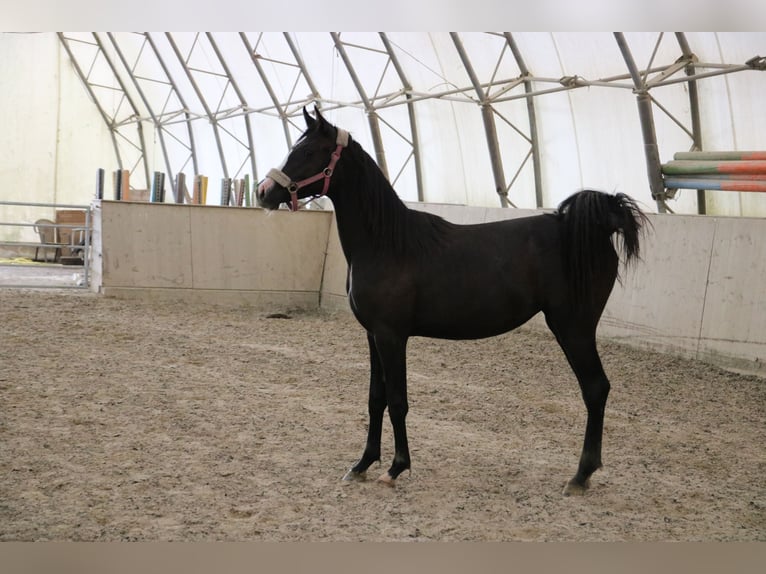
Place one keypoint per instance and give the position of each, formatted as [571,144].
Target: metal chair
[46,229]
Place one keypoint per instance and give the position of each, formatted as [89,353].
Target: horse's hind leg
[376,408]
[580,350]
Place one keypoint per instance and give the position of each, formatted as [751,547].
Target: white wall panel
[52,139]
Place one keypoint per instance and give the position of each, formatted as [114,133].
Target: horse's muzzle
[264,187]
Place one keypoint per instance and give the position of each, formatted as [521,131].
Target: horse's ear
[309,120]
[324,126]
[320,118]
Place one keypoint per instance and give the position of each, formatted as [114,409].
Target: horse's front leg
[392,350]
[376,408]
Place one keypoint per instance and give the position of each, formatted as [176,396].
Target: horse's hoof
[575,488]
[353,476]
[387,479]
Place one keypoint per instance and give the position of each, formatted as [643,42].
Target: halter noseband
[292,186]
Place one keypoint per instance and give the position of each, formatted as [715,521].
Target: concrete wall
[697,293]
[201,253]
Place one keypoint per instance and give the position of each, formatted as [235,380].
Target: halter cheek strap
[292,186]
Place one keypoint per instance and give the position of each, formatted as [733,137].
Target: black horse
[411,273]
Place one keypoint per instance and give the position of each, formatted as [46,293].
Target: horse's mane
[395,227]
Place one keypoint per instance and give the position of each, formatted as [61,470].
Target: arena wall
[213,254]
[697,293]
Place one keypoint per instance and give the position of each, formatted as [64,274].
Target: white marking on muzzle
[266,184]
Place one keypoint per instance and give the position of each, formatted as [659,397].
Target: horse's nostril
[263,187]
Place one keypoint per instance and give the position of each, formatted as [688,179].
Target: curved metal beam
[179,95]
[109,121]
[134,107]
[145,100]
[694,107]
[242,101]
[279,106]
[372,115]
[411,113]
[651,151]
[208,112]
[533,135]
[488,116]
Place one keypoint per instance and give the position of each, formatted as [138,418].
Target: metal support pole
[380,152]
[377,141]
[87,255]
[210,116]
[490,130]
[179,95]
[645,114]
[107,120]
[148,105]
[301,65]
[533,135]
[139,124]
[651,150]
[411,112]
[488,115]
[242,101]
[269,89]
[695,111]
[304,72]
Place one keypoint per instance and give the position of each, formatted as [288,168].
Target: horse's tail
[590,218]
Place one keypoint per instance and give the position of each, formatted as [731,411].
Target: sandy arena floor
[146,421]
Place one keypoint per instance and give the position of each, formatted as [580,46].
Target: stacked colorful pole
[100,174]
[158,188]
[199,196]
[226,186]
[727,171]
[121,181]
[180,190]
[246,190]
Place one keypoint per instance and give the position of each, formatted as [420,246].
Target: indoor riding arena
[179,363]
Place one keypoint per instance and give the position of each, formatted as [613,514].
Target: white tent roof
[446,114]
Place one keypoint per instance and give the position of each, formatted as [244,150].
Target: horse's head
[308,168]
